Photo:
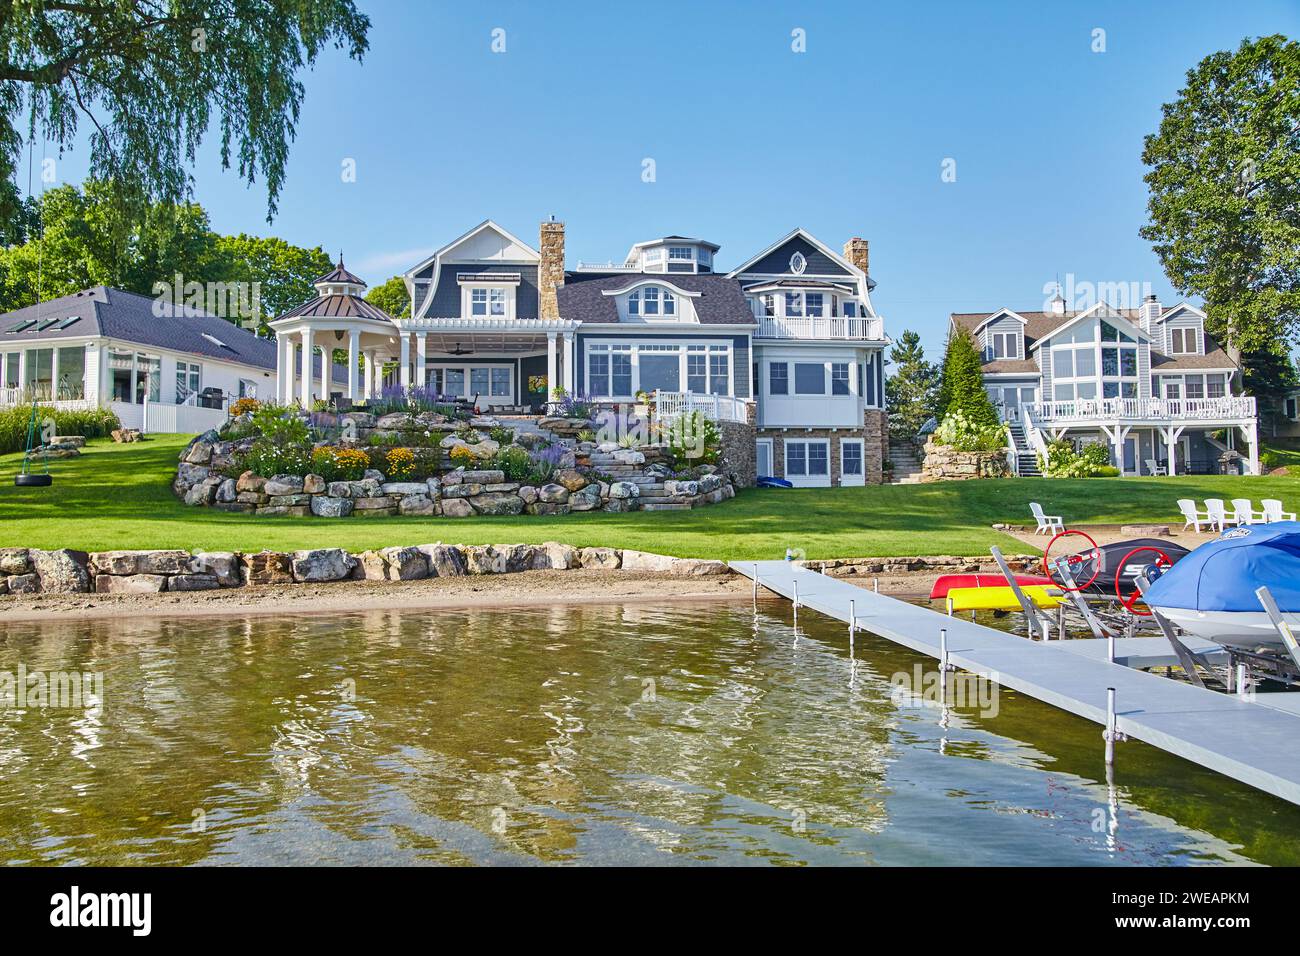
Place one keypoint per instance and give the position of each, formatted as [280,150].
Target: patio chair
[1155,468]
[1218,515]
[1243,509]
[1047,524]
[1191,517]
[1273,511]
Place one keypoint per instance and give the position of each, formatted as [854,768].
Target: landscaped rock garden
[426,462]
[31,571]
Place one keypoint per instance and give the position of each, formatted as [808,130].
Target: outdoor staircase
[907,464]
[1026,459]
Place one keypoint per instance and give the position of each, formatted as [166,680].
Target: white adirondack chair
[1243,509]
[1273,511]
[1155,468]
[1218,515]
[1191,517]
[1047,524]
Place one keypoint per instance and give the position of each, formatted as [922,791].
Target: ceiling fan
[460,351]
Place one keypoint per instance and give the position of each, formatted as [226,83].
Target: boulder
[313,485]
[397,488]
[187,475]
[371,566]
[395,420]
[24,583]
[359,419]
[501,487]
[628,456]
[405,564]
[269,567]
[289,501]
[193,582]
[222,565]
[552,555]
[531,440]
[603,559]
[528,494]
[126,435]
[130,584]
[417,506]
[434,487]
[251,482]
[487,559]
[697,567]
[624,489]
[484,450]
[708,484]
[587,499]
[485,476]
[198,453]
[549,508]
[497,504]
[62,571]
[250,498]
[15,561]
[366,488]
[456,441]
[140,562]
[322,564]
[570,478]
[283,485]
[456,508]
[615,505]
[682,489]
[328,506]
[373,474]
[339,489]
[4,585]
[296,511]
[226,491]
[467,489]
[553,494]
[445,561]
[202,493]
[646,561]
[73,441]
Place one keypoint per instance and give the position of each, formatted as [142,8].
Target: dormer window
[487,302]
[1182,342]
[1004,345]
[680,254]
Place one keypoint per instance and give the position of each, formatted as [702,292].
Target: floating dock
[1251,740]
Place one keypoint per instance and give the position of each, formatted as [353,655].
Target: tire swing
[26,478]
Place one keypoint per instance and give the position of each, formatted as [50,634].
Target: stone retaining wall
[943,463]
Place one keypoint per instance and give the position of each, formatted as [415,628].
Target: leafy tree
[911,391]
[151,77]
[285,272]
[1268,375]
[1225,192]
[92,238]
[961,387]
[392,297]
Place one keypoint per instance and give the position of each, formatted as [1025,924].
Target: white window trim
[488,398]
[859,479]
[806,481]
[711,347]
[467,300]
[1010,345]
[771,455]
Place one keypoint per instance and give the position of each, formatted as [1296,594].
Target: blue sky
[751,139]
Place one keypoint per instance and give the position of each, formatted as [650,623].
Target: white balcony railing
[719,408]
[1226,408]
[820,327]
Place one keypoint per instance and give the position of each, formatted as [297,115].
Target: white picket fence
[164,418]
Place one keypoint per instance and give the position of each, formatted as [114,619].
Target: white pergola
[425,337]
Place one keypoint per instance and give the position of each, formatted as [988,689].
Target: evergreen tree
[911,391]
[962,385]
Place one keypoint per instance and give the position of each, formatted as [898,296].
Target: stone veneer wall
[550,271]
[738,449]
[943,463]
[873,435]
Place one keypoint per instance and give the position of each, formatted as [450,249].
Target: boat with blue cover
[1211,592]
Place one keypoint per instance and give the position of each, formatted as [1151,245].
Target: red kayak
[946,582]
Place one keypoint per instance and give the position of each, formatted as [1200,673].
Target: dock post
[755,584]
[875,585]
[1110,646]
[853,617]
[1243,689]
[796,603]
[943,666]
[1111,733]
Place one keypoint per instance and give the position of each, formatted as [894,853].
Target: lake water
[635,735]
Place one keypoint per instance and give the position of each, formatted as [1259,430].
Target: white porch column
[283,359]
[551,380]
[306,368]
[570,353]
[22,373]
[421,354]
[354,344]
[404,370]
[1252,447]
[1171,436]
[326,370]
[54,373]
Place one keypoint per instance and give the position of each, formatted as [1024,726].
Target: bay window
[621,369]
[778,379]
[809,378]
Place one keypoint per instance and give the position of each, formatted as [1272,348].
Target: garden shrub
[462,456]
[401,464]
[1063,461]
[514,462]
[241,406]
[283,445]
[964,433]
[88,422]
[501,434]
[694,438]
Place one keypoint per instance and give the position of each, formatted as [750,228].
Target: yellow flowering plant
[401,464]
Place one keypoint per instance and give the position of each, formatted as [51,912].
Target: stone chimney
[1151,310]
[550,272]
[856,251]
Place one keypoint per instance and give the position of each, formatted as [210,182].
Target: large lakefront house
[786,345]
[1149,383]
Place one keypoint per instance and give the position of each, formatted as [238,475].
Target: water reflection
[594,734]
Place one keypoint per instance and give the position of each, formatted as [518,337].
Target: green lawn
[118,496]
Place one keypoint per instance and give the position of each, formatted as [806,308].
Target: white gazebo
[337,315]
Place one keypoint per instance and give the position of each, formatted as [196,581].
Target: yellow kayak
[1002,599]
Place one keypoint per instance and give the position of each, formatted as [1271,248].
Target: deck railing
[1140,409]
[719,408]
[820,327]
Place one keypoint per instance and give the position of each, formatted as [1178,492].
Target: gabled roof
[1102,310]
[128,317]
[1180,307]
[465,237]
[717,299]
[801,233]
[993,316]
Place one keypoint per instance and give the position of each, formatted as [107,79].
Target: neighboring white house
[1149,383]
[133,354]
